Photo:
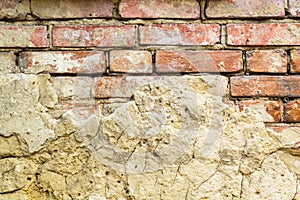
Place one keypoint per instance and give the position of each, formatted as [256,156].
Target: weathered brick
[273,86]
[8,62]
[292,111]
[199,61]
[271,61]
[14,9]
[117,86]
[279,128]
[94,36]
[71,9]
[81,108]
[179,34]
[130,61]
[63,62]
[295,61]
[23,36]
[294,7]
[273,108]
[68,88]
[263,34]
[159,9]
[242,9]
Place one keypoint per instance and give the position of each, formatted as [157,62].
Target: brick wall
[96,43]
[255,43]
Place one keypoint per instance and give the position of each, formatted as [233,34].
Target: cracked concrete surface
[176,138]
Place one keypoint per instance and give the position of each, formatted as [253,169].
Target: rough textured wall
[160,99]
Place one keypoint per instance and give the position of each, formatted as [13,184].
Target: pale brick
[71,9]
[263,34]
[273,108]
[14,9]
[68,88]
[130,61]
[63,62]
[8,62]
[23,36]
[243,9]
[160,9]
[179,34]
[294,7]
[94,36]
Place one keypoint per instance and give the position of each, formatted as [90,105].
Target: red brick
[272,86]
[292,111]
[199,61]
[295,61]
[8,62]
[130,61]
[272,107]
[94,36]
[294,7]
[23,36]
[71,9]
[180,34]
[159,9]
[117,86]
[263,34]
[14,9]
[271,61]
[242,9]
[63,62]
